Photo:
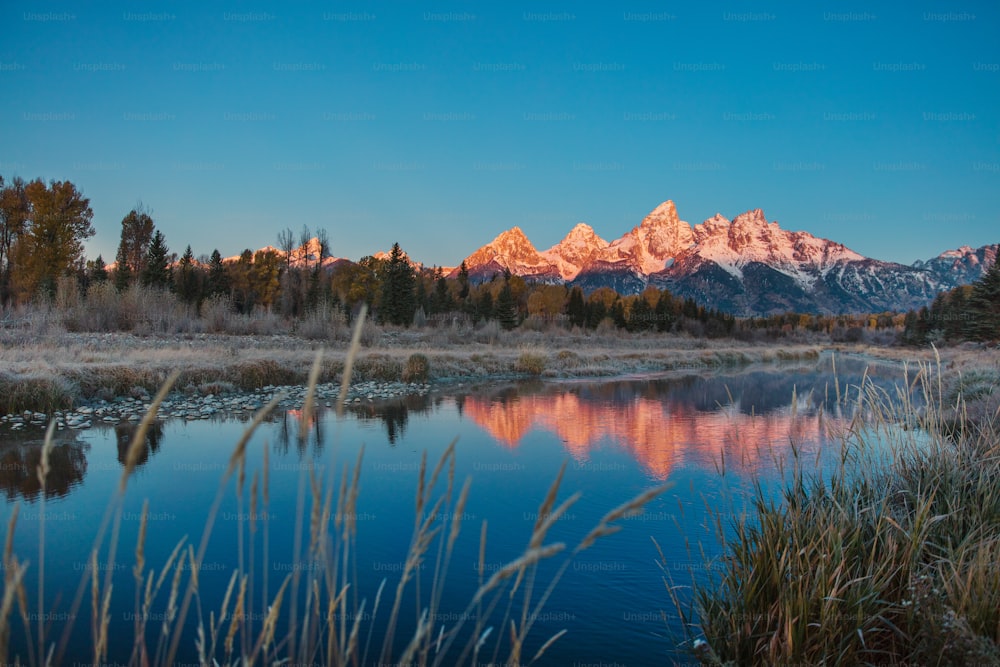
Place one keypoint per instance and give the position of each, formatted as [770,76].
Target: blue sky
[440,126]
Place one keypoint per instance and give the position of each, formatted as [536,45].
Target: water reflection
[394,414]
[663,423]
[19,463]
[124,434]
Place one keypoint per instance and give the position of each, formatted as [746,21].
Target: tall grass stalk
[891,558]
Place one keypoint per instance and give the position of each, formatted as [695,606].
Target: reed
[890,559]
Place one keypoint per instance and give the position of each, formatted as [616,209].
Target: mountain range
[744,266]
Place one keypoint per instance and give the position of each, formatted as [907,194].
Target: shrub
[530,363]
[891,559]
[34,392]
[263,372]
[416,369]
[488,333]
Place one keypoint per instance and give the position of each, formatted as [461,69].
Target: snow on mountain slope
[746,266]
[511,251]
[575,251]
[751,238]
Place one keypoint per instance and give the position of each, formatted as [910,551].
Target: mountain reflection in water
[665,422]
[662,422]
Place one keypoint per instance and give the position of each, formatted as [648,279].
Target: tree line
[967,312]
[43,227]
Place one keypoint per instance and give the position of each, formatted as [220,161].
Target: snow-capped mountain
[511,251]
[963,265]
[745,266]
[580,247]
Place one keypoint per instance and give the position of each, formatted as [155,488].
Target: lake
[709,435]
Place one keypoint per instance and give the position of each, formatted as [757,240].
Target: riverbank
[118,372]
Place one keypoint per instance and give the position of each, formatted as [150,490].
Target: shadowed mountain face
[746,266]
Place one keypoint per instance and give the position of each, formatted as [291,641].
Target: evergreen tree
[398,297]
[617,314]
[187,278]
[484,308]
[442,297]
[157,270]
[640,315]
[506,309]
[98,270]
[664,312]
[217,282]
[984,305]
[421,294]
[596,311]
[123,274]
[575,308]
[463,281]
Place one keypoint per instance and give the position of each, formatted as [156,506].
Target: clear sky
[438,127]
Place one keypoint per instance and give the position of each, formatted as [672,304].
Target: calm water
[708,435]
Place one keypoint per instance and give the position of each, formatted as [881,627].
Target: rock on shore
[180,406]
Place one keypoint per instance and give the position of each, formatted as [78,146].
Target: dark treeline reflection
[291,431]
[19,463]
[124,434]
[394,413]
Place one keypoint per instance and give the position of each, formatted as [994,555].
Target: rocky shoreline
[177,405]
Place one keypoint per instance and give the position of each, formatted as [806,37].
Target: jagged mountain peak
[754,217]
[666,210]
[582,233]
[747,265]
[577,249]
[514,232]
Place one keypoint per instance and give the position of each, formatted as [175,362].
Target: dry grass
[891,559]
[531,363]
[89,366]
[314,600]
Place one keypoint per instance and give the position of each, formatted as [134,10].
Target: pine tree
[442,297]
[984,305]
[596,311]
[506,309]
[640,315]
[398,297]
[98,270]
[617,314]
[421,294]
[484,308]
[157,270]
[575,308]
[217,282]
[187,278]
[463,281]
[664,312]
